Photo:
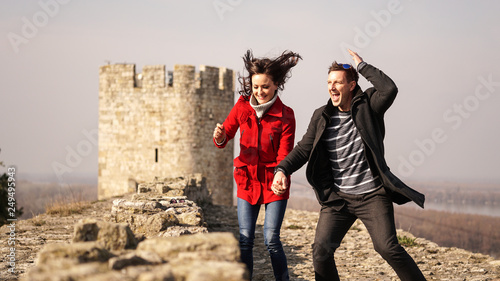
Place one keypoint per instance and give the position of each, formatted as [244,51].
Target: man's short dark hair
[350,72]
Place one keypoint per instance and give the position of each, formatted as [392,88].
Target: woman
[267,133]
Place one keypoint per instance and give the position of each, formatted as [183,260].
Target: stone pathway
[356,259]
[33,234]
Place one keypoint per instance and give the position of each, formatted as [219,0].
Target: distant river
[300,188]
[487,210]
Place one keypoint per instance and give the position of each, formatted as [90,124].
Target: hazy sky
[443,55]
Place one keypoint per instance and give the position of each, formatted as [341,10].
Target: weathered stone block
[162,272]
[174,192]
[136,222]
[161,188]
[175,231]
[135,206]
[111,235]
[210,271]
[161,221]
[197,271]
[212,246]
[190,216]
[133,259]
[80,252]
[61,270]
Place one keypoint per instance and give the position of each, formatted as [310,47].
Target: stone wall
[113,240]
[160,123]
[157,234]
[162,208]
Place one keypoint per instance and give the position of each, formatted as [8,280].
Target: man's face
[340,90]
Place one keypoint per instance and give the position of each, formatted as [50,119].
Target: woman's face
[263,88]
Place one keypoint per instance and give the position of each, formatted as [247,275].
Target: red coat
[263,144]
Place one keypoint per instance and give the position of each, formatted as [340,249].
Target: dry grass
[36,198]
[37,220]
[66,206]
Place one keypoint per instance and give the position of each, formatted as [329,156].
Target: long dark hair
[278,68]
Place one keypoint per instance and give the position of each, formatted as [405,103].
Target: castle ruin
[160,124]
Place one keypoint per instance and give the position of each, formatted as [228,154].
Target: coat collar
[275,110]
[330,109]
[358,93]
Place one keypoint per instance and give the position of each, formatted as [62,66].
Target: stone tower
[156,123]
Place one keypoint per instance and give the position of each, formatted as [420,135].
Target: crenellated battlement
[124,76]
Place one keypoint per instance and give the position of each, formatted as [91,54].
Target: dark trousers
[376,211]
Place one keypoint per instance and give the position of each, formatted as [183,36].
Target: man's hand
[219,133]
[280,183]
[357,59]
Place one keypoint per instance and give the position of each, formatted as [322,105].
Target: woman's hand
[279,185]
[219,133]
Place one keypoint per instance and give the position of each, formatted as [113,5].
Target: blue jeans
[247,219]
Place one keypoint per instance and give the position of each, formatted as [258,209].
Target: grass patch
[37,221]
[407,241]
[66,206]
[293,226]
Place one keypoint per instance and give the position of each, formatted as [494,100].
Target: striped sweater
[347,158]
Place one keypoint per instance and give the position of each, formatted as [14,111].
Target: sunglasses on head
[345,65]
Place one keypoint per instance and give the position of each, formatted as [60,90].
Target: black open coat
[367,110]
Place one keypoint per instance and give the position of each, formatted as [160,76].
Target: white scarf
[260,109]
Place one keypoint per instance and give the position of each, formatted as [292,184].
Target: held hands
[280,184]
[219,133]
[357,59]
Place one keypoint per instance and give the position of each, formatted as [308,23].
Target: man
[344,149]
